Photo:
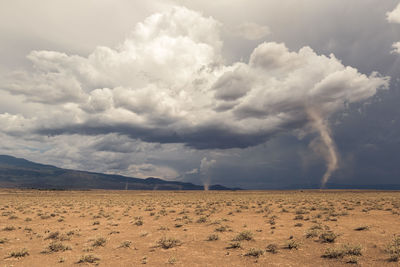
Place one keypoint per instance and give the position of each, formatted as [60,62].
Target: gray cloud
[233,85]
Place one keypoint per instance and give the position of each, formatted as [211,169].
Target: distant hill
[21,173]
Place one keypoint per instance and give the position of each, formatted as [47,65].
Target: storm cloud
[167,83]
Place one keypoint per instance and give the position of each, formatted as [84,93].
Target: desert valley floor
[194,228]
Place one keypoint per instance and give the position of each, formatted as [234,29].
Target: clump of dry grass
[56,246]
[234,245]
[99,242]
[312,233]
[138,221]
[393,248]
[298,217]
[245,235]
[340,252]
[172,260]
[253,252]
[292,244]
[169,242]
[9,228]
[125,244]
[222,228]
[202,219]
[352,260]
[272,248]
[328,237]
[212,237]
[88,258]
[53,235]
[19,253]
[355,250]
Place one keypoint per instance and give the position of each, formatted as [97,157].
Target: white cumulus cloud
[396,48]
[394,15]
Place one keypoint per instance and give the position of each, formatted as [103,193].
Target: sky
[245,93]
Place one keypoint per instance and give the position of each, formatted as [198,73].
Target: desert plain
[199,228]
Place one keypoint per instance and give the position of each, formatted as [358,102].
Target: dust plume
[207,184]
[330,154]
[205,166]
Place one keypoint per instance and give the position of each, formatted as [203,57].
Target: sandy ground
[131,228]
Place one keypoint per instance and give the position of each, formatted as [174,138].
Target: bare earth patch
[243,228]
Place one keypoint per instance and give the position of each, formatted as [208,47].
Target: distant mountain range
[21,173]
